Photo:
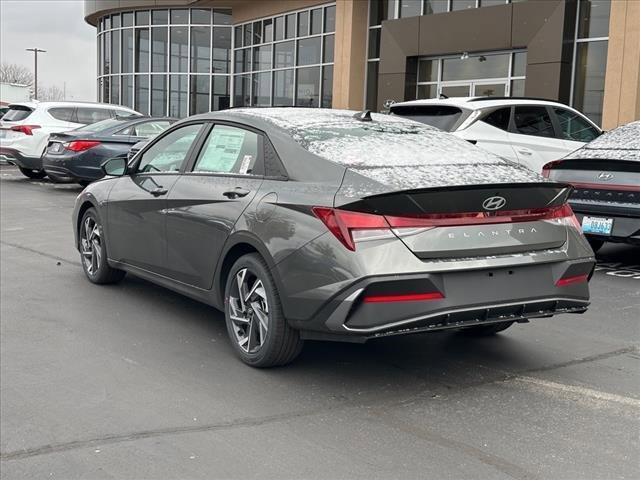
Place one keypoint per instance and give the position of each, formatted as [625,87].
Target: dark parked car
[606,177]
[334,225]
[76,155]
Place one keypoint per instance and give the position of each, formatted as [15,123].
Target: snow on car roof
[622,143]
[392,150]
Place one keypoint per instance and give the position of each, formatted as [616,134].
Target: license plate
[597,225]
[55,148]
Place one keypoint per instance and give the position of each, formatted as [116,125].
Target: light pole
[35,69]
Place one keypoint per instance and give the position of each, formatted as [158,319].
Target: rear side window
[574,127]
[533,121]
[229,150]
[17,113]
[64,114]
[499,118]
[149,129]
[87,115]
[443,117]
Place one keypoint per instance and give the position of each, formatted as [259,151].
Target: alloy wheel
[249,311]
[91,243]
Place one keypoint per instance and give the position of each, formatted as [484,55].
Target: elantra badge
[605,176]
[494,203]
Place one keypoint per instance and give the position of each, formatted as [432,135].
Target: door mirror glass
[115,166]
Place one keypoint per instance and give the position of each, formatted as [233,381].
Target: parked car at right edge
[25,128]
[77,155]
[527,131]
[606,177]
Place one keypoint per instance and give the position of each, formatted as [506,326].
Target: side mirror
[115,166]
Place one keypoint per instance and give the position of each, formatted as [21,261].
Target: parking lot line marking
[582,391]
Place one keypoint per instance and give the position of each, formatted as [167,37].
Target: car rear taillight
[350,227]
[26,129]
[411,297]
[546,168]
[343,224]
[564,281]
[81,145]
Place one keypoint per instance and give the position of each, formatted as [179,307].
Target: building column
[622,80]
[350,54]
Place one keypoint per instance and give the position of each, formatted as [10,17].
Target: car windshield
[440,116]
[101,125]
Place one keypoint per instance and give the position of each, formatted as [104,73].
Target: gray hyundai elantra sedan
[334,225]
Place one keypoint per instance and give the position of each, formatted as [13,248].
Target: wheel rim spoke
[248,311]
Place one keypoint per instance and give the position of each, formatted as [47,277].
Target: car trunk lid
[472,220]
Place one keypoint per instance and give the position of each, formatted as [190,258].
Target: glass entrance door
[474,89]
[493,89]
[455,89]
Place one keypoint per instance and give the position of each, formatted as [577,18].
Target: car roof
[477,103]
[622,143]
[65,103]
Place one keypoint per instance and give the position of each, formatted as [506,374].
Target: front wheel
[259,333]
[93,251]
[34,174]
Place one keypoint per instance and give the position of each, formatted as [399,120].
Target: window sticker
[223,149]
[246,163]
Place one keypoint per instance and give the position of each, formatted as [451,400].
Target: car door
[491,133]
[137,202]
[534,138]
[207,200]
[575,130]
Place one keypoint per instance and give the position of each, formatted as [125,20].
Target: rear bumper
[15,157]
[470,298]
[626,221]
[73,168]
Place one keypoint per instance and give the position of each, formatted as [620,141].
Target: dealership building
[182,57]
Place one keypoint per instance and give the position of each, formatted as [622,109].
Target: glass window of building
[293,64]
[590,57]
[410,8]
[188,43]
[462,4]
[159,17]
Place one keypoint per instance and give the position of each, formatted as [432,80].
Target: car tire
[93,252]
[486,330]
[256,325]
[595,243]
[34,174]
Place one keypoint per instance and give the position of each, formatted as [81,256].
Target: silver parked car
[606,177]
[334,225]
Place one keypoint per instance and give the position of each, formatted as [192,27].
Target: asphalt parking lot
[134,381]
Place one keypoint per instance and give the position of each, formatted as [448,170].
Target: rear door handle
[236,193]
[156,192]
[525,151]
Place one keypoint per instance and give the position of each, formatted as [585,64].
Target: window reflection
[588,92]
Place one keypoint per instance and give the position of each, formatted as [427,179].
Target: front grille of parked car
[606,196]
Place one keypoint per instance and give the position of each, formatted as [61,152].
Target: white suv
[531,132]
[25,128]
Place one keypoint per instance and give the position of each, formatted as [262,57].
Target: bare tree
[14,73]
[50,94]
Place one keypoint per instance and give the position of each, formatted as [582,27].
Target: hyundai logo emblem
[494,203]
[605,176]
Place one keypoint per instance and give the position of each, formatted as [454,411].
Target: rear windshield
[101,125]
[17,113]
[443,117]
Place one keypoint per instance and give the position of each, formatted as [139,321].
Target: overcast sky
[58,27]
